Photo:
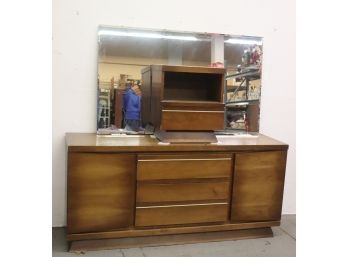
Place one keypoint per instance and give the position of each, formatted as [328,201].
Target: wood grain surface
[180,214]
[90,142]
[101,189]
[258,185]
[188,228]
[192,120]
[91,245]
[155,167]
[184,191]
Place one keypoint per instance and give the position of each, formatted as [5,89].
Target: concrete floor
[283,244]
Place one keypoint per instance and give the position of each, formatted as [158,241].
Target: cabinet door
[101,190]
[258,186]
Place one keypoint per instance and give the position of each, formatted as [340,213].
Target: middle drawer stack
[182,189]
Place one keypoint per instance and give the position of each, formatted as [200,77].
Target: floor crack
[142,251]
[287,233]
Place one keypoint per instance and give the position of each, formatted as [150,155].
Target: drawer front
[192,119]
[173,192]
[157,167]
[181,214]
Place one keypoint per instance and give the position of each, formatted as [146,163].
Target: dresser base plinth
[104,244]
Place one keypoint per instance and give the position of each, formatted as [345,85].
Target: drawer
[188,166]
[172,192]
[179,119]
[181,214]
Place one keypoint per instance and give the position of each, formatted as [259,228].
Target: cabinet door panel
[100,191]
[258,186]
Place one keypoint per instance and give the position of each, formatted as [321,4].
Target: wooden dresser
[132,191]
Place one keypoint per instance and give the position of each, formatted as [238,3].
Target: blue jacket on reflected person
[131,105]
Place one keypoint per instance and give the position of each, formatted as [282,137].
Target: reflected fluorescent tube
[144,35]
[188,38]
[243,41]
[243,103]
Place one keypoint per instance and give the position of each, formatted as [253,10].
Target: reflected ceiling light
[243,41]
[188,38]
[144,35]
[243,103]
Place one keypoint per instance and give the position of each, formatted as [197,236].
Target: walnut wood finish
[192,86]
[192,120]
[181,214]
[100,192]
[156,85]
[181,68]
[155,167]
[103,172]
[253,113]
[258,186]
[91,245]
[189,228]
[190,69]
[186,137]
[192,105]
[119,107]
[146,98]
[162,83]
[192,115]
[90,142]
[182,191]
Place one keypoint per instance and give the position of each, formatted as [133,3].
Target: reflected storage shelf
[242,100]
[104,108]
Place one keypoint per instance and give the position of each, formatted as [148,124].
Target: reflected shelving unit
[104,108]
[242,99]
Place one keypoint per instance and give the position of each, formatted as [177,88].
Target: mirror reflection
[243,83]
[125,52]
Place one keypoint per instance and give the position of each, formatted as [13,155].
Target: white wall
[75,25]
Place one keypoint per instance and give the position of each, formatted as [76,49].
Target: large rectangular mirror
[125,52]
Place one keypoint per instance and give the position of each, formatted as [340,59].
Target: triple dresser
[126,191]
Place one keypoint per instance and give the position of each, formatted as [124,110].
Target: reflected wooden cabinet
[183,97]
[123,187]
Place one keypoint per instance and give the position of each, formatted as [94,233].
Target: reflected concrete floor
[282,244]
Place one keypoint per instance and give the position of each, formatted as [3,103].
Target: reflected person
[132,108]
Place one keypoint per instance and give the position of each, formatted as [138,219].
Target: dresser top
[91,142]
